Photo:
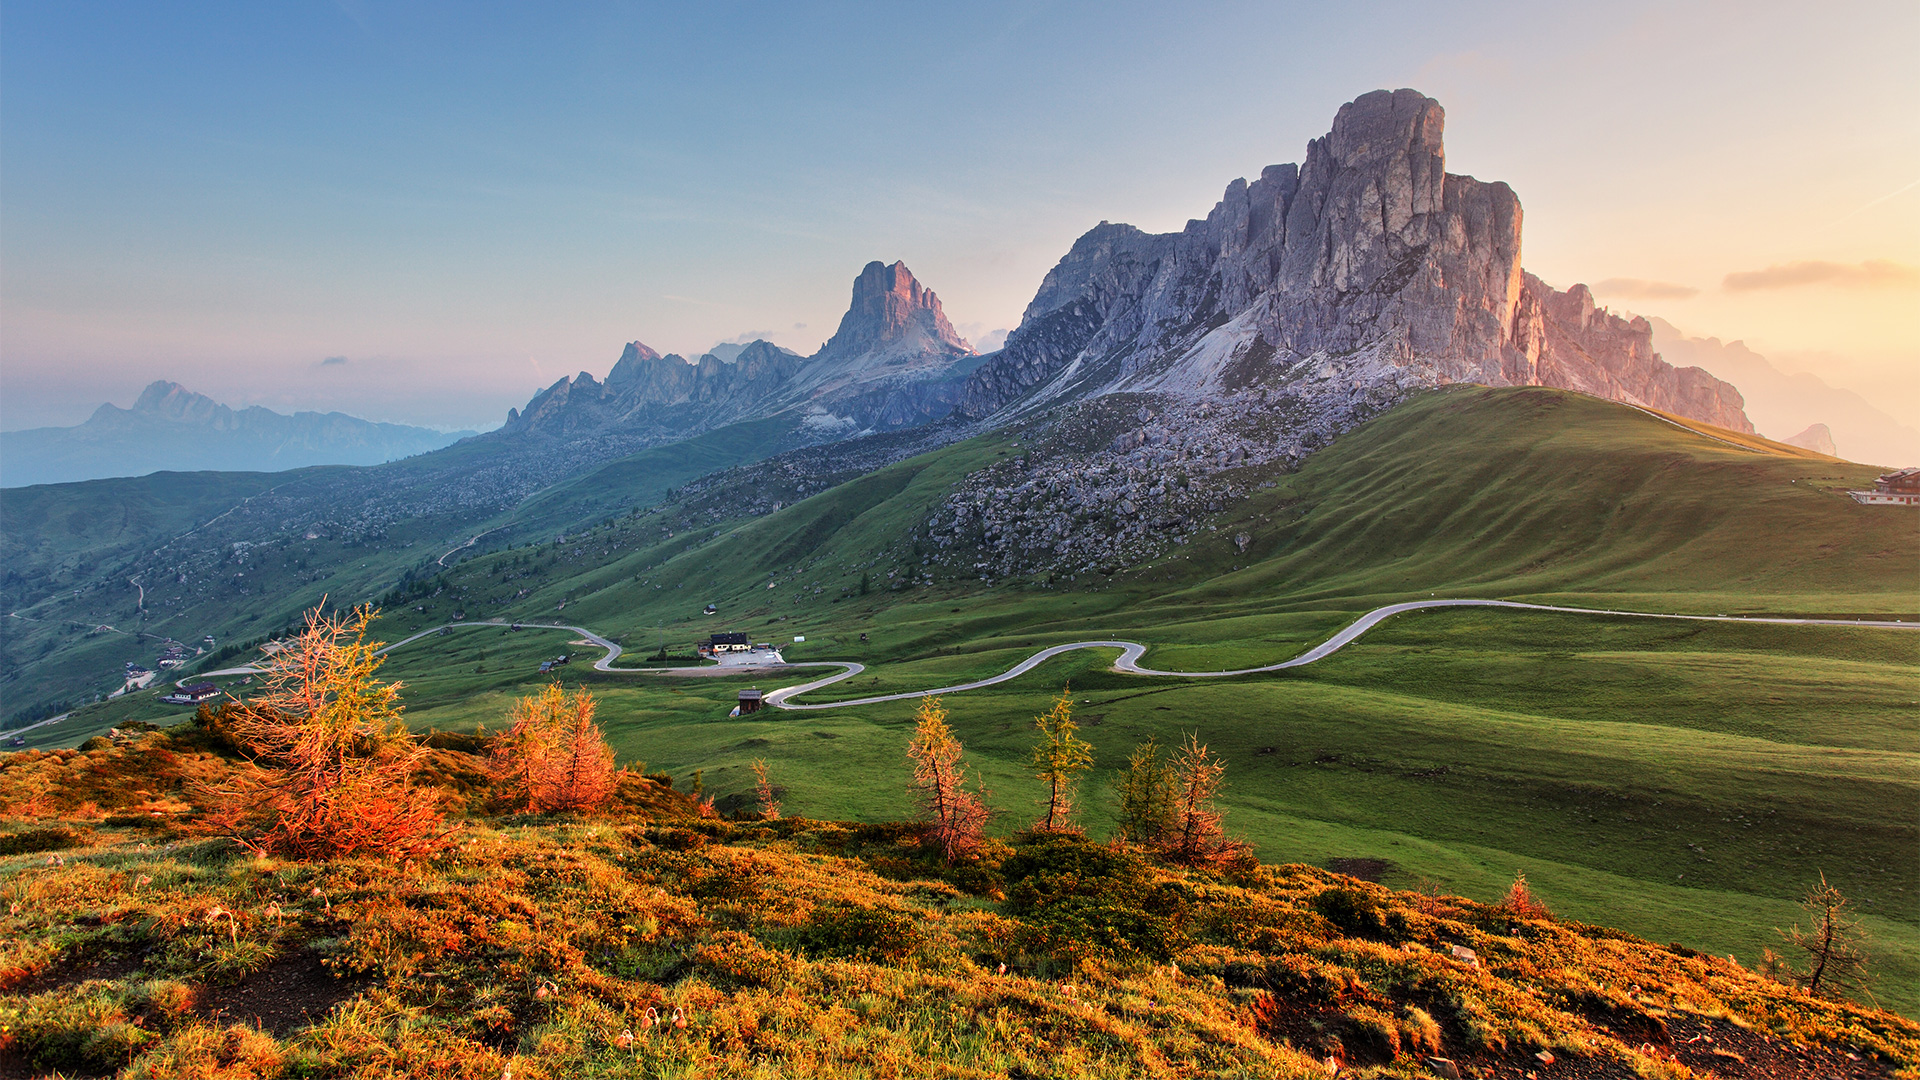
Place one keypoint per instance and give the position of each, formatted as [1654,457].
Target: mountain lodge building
[725,643]
[1894,489]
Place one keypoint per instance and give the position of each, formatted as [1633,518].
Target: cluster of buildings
[172,656]
[726,643]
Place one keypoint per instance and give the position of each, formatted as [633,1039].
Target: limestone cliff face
[892,313]
[1369,255]
[1561,339]
[894,362]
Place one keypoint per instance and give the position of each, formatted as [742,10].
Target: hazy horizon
[456,210]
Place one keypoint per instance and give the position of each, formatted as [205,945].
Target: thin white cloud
[1873,273]
[1864,207]
[1628,288]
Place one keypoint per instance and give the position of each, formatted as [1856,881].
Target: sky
[423,212]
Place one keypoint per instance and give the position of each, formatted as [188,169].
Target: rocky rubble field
[1120,480]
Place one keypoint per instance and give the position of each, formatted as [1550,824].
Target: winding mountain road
[472,540]
[1130,651]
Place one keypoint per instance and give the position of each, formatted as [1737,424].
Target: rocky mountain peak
[164,400]
[1376,128]
[628,369]
[1366,265]
[891,307]
[895,361]
[1817,438]
[152,398]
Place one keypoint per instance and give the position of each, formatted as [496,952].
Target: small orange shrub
[1197,835]
[763,789]
[1521,903]
[554,758]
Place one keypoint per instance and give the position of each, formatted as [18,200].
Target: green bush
[863,933]
[1359,913]
[1080,898]
[86,1033]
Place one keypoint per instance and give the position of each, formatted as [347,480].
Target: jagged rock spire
[889,304]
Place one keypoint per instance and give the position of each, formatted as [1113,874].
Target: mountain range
[894,362]
[1347,281]
[172,428]
[1369,268]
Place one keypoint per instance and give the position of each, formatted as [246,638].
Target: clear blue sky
[466,201]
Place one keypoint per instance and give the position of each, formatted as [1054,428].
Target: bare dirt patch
[59,976]
[1720,1049]
[1374,870]
[285,996]
[1712,1049]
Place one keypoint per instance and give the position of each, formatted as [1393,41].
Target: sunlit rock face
[894,321]
[894,362]
[1367,262]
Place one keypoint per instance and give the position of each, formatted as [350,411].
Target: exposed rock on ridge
[894,362]
[892,314]
[1370,257]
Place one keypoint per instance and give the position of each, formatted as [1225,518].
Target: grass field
[1682,781]
[1459,747]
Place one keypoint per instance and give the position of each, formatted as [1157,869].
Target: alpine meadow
[1307,644]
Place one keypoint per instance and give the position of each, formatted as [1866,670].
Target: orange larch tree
[553,756]
[331,761]
[956,817]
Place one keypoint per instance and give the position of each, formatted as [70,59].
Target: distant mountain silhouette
[173,428]
[1781,404]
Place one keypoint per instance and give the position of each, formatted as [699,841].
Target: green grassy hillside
[54,535]
[1685,781]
